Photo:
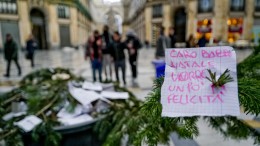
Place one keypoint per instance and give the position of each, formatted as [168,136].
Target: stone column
[148,24]
[166,17]
[191,18]
[53,27]
[248,20]
[73,26]
[220,27]
[125,29]
[24,21]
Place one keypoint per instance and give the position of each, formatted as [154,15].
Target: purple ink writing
[194,99]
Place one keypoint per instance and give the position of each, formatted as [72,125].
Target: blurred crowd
[107,54]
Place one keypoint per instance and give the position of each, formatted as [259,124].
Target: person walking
[147,44]
[133,44]
[106,50]
[118,55]
[96,56]
[163,42]
[31,46]
[11,54]
[172,37]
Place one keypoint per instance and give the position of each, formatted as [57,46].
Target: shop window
[237,5]
[257,5]
[157,10]
[63,11]
[235,29]
[155,32]
[8,7]
[205,6]
[204,27]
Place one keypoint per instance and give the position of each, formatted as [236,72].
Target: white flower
[60,76]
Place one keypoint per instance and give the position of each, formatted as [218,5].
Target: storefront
[204,27]
[155,32]
[235,29]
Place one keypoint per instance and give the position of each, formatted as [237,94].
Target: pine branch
[249,95]
[222,80]
[13,131]
[9,100]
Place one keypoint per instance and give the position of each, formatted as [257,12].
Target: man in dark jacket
[163,42]
[31,46]
[106,51]
[172,36]
[118,55]
[133,44]
[11,53]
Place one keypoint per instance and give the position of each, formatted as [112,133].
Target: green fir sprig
[222,80]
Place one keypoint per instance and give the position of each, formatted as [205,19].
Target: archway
[113,20]
[180,24]
[38,27]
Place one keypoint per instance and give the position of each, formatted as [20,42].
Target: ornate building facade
[225,20]
[54,23]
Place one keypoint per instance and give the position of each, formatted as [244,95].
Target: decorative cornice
[152,2]
[73,3]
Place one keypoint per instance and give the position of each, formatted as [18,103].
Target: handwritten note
[92,86]
[76,120]
[115,95]
[187,92]
[84,97]
[29,123]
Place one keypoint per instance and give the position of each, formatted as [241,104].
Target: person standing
[118,55]
[172,37]
[11,54]
[202,41]
[31,46]
[96,56]
[163,42]
[133,44]
[106,50]
[191,42]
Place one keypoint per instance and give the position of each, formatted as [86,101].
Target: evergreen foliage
[145,124]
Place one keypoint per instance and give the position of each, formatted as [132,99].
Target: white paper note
[63,113]
[28,123]
[75,120]
[187,92]
[84,97]
[115,95]
[11,115]
[92,86]
[107,86]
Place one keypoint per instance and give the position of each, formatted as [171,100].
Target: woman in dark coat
[31,46]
